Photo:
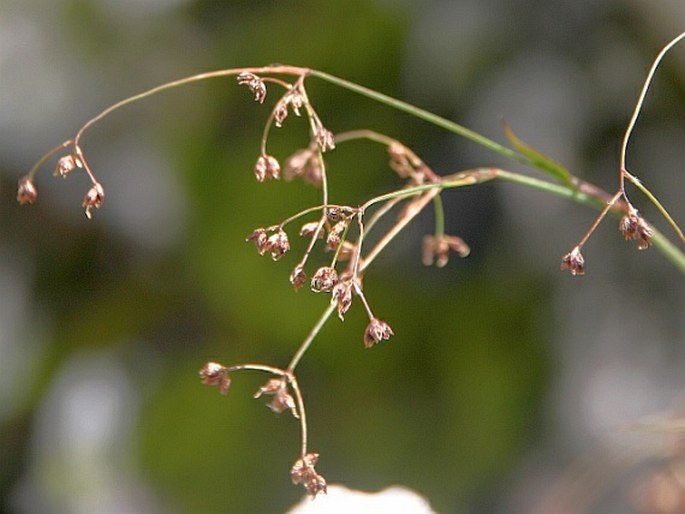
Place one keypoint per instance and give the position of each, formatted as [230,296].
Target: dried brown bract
[215,374]
[324,279]
[93,199]
[377,331]
[303,472]
[282,400]
[26,191]
[574,262]
[255,84]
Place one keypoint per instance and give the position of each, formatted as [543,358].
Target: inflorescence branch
[343,230]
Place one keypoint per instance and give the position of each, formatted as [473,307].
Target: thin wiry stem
[310,337]
[623,172]
[439,217]
[422,114]
[286,70]
[32,172]
[301,411]
[641,99]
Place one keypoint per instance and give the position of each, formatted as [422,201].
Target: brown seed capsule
[260,239]
[376,331]
[324,280]
[267,168]
[66,165]
[277,244]
[280,113]
[342,296]
[634,227]
[574,262]
[26,191]
[298,277]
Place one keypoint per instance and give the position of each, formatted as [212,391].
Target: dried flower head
[267,168]
[333,214]
[324,279]
[342,296]
[376,331]
[334,234]
[282,398]
[260,240]
[298,277]
[309,229]
[634,227]
[313,173]
[293,100]
[304,163]
[66,165]
[93,199]
[295,164]
[277,244]
[324,139]
[255,84]
[26,191]
[574,262]
[296,100]
[437,249]
[303,472]
[215,374]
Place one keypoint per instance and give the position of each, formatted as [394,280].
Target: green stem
[439,217]
[310,337]
[672,253]
[424,115]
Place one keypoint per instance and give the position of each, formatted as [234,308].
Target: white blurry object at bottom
[340,499]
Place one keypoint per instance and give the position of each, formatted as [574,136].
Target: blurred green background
[502,370]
